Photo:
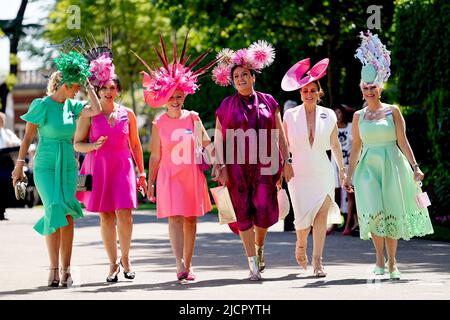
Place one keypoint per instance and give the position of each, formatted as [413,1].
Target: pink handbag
[422,198]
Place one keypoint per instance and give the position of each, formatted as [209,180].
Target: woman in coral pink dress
[181,188]
[113,144]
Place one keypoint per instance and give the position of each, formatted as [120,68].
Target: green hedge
[420,63]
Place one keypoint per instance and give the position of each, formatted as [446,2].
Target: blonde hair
[53,82]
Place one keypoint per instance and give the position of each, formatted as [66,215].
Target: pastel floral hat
[258,56]
[160,83]
[375,59]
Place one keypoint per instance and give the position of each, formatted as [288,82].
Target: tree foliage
[421,56]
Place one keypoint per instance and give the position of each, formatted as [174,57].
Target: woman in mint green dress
[55,172]
[387,175]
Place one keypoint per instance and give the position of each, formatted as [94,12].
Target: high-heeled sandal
[318,268]
[114,277]
[66,278]
[301,257]
[253,264]
[53,278]
[128,275]
[394,275]
[191,275]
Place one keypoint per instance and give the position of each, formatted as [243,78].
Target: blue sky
[35,12]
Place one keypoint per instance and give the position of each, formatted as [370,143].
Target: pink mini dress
[112,167]
[181,188]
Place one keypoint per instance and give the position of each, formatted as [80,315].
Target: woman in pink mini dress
[113,144]
[181,188]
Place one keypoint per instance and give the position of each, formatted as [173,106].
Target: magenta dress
[253,167]
[181,188]
[113,172]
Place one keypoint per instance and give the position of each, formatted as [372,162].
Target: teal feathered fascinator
[73,66]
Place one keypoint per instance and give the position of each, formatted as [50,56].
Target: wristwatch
[288,160]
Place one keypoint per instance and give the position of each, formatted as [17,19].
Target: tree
[14,30]
[135,25]
[315,29]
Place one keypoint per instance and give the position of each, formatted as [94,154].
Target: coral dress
[113,171]
[385,189]
[55,168]
[181,188]
[313,179]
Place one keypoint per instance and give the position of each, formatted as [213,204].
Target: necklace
[374,113]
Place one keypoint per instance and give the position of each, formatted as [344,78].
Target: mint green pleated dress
[55,169]
[385,189]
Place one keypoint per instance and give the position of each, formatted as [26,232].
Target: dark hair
[252,72]
[116,81]
[346,111]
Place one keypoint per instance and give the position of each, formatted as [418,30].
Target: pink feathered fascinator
[295,77]
[100,60]
[256,57]
[160,84]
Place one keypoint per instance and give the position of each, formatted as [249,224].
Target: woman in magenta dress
[113,144]
[251,171]
[181,189]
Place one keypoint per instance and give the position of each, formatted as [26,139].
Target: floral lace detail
[414,224]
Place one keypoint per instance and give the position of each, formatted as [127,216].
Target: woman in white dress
[311,130]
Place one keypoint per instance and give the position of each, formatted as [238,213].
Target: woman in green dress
[54,119]
[385,186]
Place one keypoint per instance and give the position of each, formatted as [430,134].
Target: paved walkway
[219,262]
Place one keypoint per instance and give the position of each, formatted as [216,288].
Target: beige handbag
[224,205]
[283,204]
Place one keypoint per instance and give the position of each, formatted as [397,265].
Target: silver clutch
[20,189]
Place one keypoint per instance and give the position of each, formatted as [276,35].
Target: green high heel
[395,275]
[379,271]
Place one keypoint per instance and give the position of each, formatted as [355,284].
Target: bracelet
[415,165]
[21,160]
[143,174]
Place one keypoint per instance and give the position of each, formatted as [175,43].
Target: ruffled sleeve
[195,116]
[36,112]
[76,106]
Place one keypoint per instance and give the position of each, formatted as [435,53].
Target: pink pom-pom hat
[258,56]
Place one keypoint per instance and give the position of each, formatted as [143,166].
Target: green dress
[55,169]
[385,189]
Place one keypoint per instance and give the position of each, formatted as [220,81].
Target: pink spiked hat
[160,84]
